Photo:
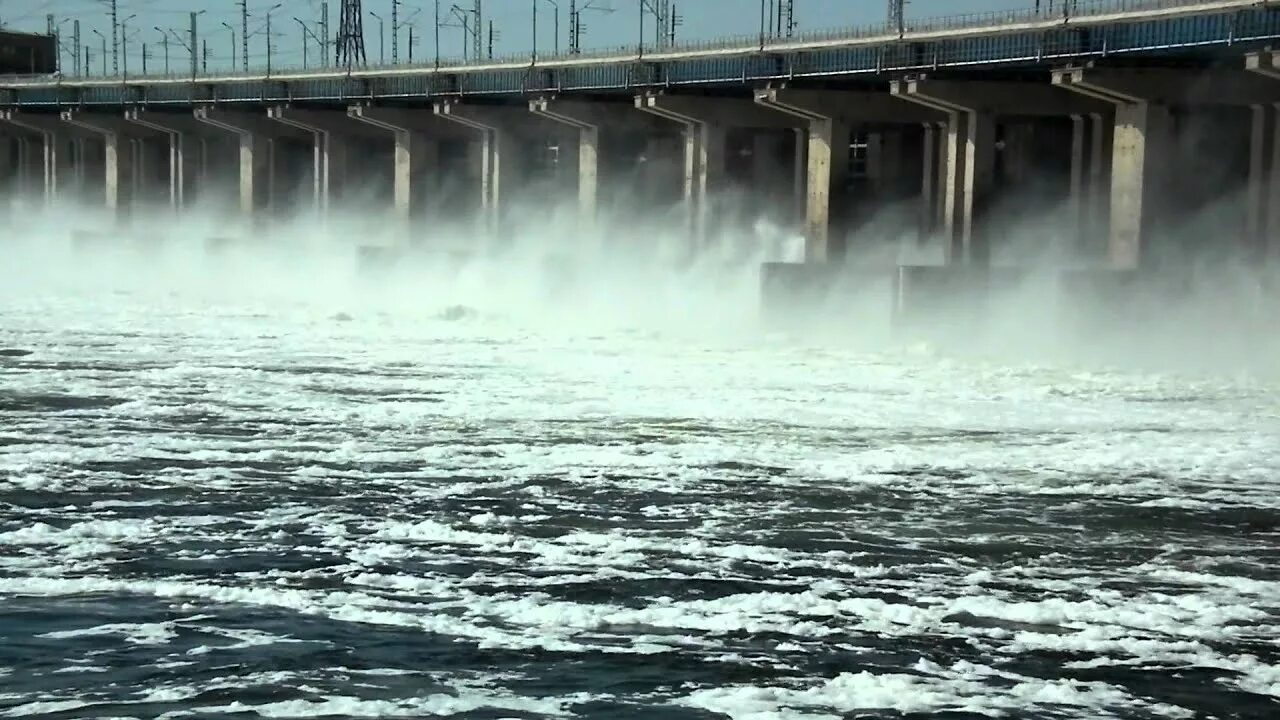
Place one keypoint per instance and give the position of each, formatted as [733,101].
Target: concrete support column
[502,166]
[8,164]
[330,132]
[185,157]
[885,162]
[968,161]
[44,157]
[1263,221]
[122,166]
[1142,135]
[703,131]
[1078,198]
[1019,139]
[826,119]
[119,177]
[417,155]
[597,125]
[256,136]
[828,172]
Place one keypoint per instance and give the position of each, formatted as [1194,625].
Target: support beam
[330,132]
[186,151]
[969,161]
[826,118]
[501,161]
[119,137]
[1264,162]
[703,130]
[587,119]
[257,136]
[417,154]
[1142,138]
[54,139]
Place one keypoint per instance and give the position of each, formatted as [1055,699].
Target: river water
[224,494]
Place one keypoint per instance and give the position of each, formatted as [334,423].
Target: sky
[703,19]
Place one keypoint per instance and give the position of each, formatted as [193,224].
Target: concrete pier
[704,124]
[45,147]
[127,168]
[259,156]
[416,136]
[827,118]
[186,156]
[941,161]
[335,140]
[501,154]
[968,153]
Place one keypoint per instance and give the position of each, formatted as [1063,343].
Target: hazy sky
[512,20]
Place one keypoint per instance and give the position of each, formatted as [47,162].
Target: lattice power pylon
[350,46]
[896,15]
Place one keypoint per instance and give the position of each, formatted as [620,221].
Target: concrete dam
[1134,121]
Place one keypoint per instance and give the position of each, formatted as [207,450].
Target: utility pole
[491,37]
[115,40]
[325,37]
[244,35]
[577,28]
[477,26]
[204,56]
[76,36]
[395,31]
[144,58]
[195,46]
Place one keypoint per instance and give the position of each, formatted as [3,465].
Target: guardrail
[1063,11]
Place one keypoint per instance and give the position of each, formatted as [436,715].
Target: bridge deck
[1095,28]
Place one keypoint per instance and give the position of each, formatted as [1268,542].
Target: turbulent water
[220,500]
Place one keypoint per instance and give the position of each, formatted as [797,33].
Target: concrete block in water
[87,239]
[378,258]
[948,299]
[218,244]
[788,289]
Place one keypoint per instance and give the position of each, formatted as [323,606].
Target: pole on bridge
[115,41]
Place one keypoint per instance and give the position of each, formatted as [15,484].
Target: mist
[1207,313]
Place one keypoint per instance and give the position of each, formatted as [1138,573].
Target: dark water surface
[206,510]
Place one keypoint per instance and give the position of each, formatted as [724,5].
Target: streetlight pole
[233,45]
[165,43]
[124,42]
[382,38]
[270,10]
[304,42]
[104,49]
[556,5]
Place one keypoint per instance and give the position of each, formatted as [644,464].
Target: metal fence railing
[1050,11]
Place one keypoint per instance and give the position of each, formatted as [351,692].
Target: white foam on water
[589,460]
